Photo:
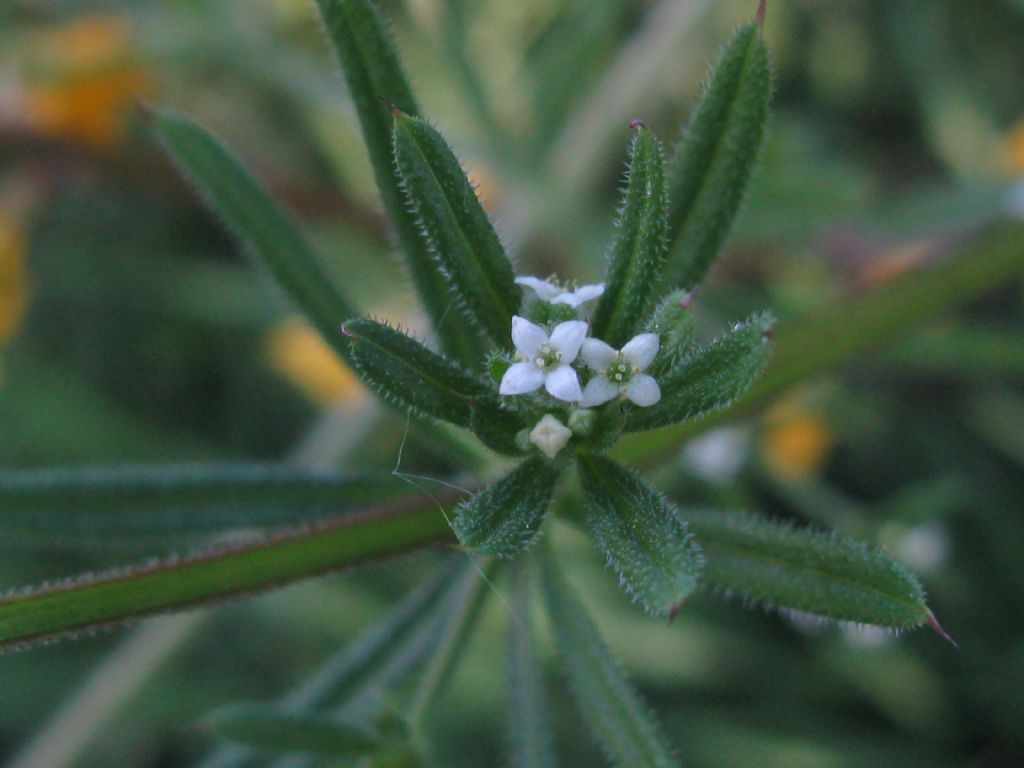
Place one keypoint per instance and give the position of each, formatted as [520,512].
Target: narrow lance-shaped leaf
[530,729]
[506,517]
[638,252]
[462,610]
[272,728]
[220,572]
[459,235]
[710,378]
[354,682]
[610,706]
[351,667]
[711,170]
[253,217]
[406,373]
[130,503]
[824,574]
[376,80]
[641,533]
[674,323]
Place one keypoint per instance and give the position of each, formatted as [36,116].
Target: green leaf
[82,505]
[638,252]
[253,217]
[457,621]
[674,323]
[379,659]
[272,728]
[530,729]
[824,574]
[220,572]
[709,379]
[497,428]
[573,51]
[610,707]
[506,517]
[365,660]
[376,82]
[456,228]
[455,30]
[854,326]
[641,533]
[407,374]
[713,163]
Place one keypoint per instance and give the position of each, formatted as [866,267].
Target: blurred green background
[132,331]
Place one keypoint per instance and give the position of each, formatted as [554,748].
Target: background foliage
[132,331]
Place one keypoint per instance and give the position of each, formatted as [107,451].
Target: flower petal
[563,384]
[641,350]
[597,392]
[581,295]
[521,378]
[544,290]
[567,338]
[527,337]
[597,355]
[643,390]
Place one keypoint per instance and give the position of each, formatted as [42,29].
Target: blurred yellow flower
[1013,150]
[795,442]
[13,277]
[86,78]
[297,352]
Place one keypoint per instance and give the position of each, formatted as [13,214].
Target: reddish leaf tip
[933,624]
[636,123]
[396,111]
[762,7]
[687,301]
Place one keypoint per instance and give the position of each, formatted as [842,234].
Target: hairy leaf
[673,320]
[506,517]
[610,706]
[641,533]
[462,609]
[456,228]
[713,163]
[253,217]
[131,503]
[823,574]
[355,682]
[275,729]
[377,82]
[406,373]
[710,378]
[638,252]
[530,730]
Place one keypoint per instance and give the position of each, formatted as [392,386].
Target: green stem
[837,333]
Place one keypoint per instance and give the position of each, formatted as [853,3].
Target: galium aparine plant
[548,374]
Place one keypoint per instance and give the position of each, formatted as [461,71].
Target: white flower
[553,294]
[545,359]
[619,373]
[550,435]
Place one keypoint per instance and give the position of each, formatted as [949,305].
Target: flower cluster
[551,359]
